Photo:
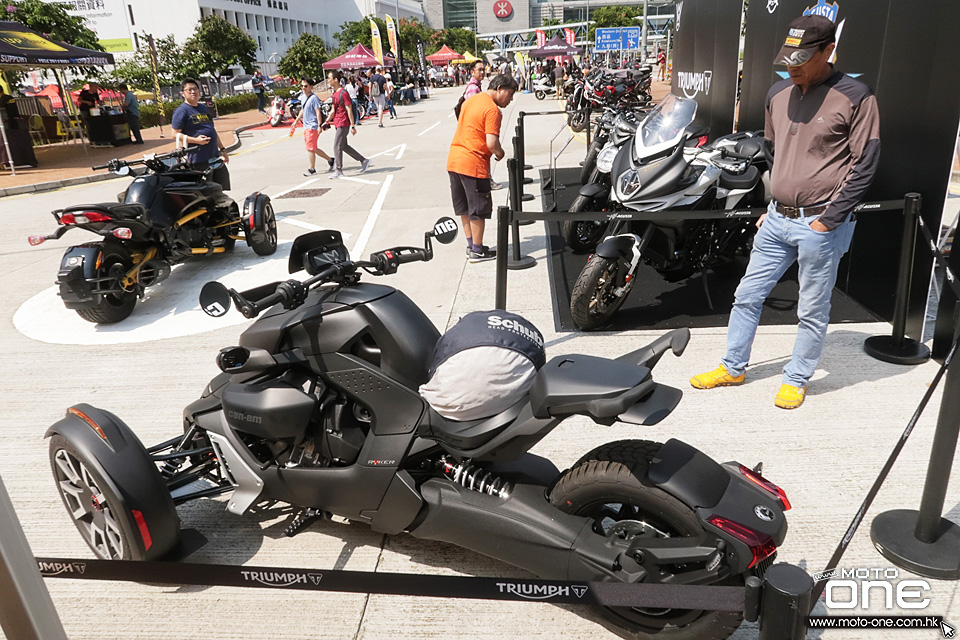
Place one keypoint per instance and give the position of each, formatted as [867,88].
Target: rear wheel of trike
[608,485]
[119,303]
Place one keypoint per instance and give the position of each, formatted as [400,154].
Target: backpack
[374,86]
[456,109]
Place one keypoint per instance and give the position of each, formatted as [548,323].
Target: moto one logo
[692,83]
[56,568]
[540,591]
[281,579]
[245,417]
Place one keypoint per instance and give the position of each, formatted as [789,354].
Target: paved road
[825,454]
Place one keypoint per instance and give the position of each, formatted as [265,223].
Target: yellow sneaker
[789,396]
[716,378]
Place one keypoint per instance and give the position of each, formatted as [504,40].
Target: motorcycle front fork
[638,247]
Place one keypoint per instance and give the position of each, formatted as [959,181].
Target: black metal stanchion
[923,541]
[515,172]
[503,221]
[519,178]
[897,348]
[785,603]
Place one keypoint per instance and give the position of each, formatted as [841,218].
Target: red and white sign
[502,9]
[569,36]
[541,39]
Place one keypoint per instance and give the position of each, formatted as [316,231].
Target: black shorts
[471,196]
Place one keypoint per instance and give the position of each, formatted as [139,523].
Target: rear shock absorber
[475,478]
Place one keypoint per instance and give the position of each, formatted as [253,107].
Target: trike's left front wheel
[109,525]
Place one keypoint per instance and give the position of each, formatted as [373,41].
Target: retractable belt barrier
[608,594]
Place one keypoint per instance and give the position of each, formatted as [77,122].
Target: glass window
[460,13]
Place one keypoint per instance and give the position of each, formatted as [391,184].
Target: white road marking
[299,186]
[361,180]
[451,115]
[372,218]
[428,128]
[387,152]
[403,148]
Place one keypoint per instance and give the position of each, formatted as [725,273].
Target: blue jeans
[778,244]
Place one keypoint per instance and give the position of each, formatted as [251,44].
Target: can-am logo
[56,568]
[692,82]
[540,591]
[281,579]
[244,417]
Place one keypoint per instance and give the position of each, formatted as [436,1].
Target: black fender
[617,247]
[595,190]
[119,457]
[715,490]
[77,266]
[253,215]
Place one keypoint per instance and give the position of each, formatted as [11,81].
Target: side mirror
[444,230]
[215,299]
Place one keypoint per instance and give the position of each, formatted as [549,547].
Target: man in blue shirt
[312,116]
[131,107]
[195,123]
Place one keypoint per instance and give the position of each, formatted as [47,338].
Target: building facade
[273,24]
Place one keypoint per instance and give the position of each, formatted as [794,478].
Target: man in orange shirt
[477,138]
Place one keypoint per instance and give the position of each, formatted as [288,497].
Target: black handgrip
[101,166]
[726,153]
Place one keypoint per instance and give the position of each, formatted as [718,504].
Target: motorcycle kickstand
[706,287]
[304,519]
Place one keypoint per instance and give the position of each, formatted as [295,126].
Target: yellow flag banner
[392,36]
[377,45]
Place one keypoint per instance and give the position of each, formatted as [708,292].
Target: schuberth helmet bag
[482,365]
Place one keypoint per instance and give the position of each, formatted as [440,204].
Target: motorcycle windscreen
[665,126]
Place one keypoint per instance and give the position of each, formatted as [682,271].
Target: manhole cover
[305,193]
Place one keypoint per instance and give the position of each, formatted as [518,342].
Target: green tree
[304,58]
[172,65]
[358,32]
[53,22]
[457,38]
[409,30]
[216,46]
[613,16]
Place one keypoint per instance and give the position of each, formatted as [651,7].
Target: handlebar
[733,155]
[117,163]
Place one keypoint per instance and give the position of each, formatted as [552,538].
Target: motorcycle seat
[589,385]
[750,147]
[119,210]
[746,180]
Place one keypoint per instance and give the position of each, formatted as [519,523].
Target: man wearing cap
[823,128]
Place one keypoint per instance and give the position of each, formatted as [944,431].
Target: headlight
[629,183]
[606,157]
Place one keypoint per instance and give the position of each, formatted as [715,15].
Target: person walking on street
[259,88]
[390,88]
[824,130]
[131,108]
[354,93]
[661,64]
[193,121]
[312,116]
[477,139]
[378,92]
[343,123]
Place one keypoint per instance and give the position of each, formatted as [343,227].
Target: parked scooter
[318,407]
[295,106]
[169,213]
[659,172]
[278,111]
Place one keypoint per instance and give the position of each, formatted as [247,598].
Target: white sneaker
[364,165]
[336,175]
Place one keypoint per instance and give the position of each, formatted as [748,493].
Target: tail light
[84,217]
[762,482]
[36,240]
[123,233]
[761,545]
[702,140]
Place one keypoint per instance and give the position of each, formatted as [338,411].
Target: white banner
[106,18]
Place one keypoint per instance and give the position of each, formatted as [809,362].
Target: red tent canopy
[446,54]
[52,91]
[357,58]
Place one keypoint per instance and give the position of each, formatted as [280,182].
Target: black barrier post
[897,348]
[589,125]
[503,221]
[923,541]
[520,151]
[785,603]
[515,172]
